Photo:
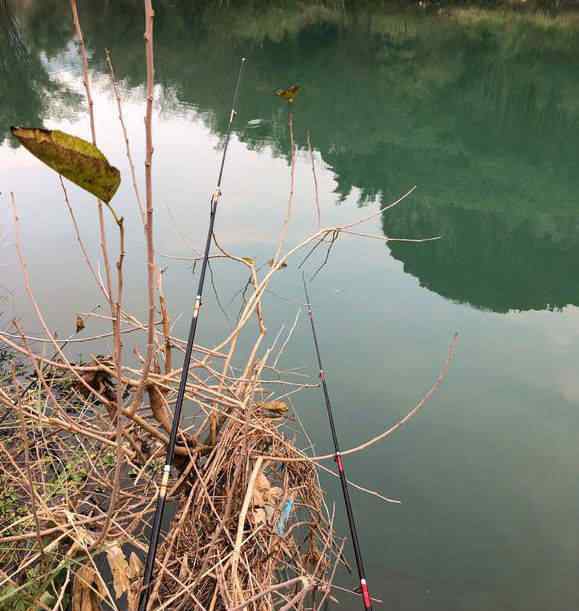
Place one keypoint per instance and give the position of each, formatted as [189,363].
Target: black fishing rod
[366,600]
[154,537]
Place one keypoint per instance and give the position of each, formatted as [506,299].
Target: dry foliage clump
[241,523]
[249,526]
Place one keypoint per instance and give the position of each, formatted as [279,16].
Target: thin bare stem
[87,86]
[118,361]
[126,137]
[316,194]
[80,241]
[151,267]
[290,200]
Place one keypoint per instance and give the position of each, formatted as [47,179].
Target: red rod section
[367,601]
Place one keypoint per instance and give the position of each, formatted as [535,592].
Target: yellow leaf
[249,260]
[119,569]
[74,158]
[289,93]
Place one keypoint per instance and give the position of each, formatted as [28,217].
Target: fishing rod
[154,537]
[366,600]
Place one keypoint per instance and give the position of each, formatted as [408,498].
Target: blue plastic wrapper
[285,514]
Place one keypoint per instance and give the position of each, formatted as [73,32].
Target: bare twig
[316,195]
[151,267]
[126,137]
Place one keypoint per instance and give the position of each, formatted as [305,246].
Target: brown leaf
[99,380]
[119,569]
[135,571]
[74,158]
[282,265]
[158,408]
[184,568]
[274,407]
[260,489]
[274,494]
[79,323]
[289,94]
[84,596]
[135,566]
[262,483]
[259,516]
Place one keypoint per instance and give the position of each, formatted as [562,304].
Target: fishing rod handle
[152,553]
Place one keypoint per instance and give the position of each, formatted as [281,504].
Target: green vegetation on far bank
[477,105]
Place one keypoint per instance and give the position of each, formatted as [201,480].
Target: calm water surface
[482,115]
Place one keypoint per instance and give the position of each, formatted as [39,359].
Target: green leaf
[74,158]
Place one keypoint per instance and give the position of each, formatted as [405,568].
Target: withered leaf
[79,323]
[135,570]
[135,566]
[282,265]
[74,158]
[119,569]
[289,93]
[274,407]
[87,590]
[158,406]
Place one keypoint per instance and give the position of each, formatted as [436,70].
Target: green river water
[481,112]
